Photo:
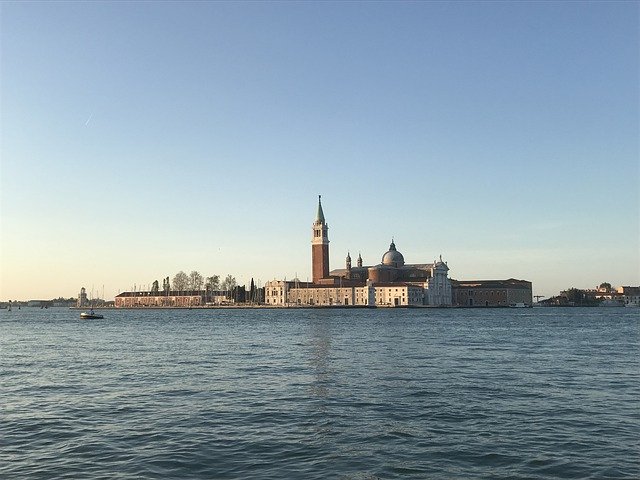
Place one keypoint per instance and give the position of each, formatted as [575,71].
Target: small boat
[91,314]
[519,305]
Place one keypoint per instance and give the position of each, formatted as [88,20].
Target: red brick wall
[320,261]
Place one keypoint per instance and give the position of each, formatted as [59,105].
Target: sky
[141,139]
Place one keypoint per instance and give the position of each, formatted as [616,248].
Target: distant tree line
[576,296]
[183,282]
[194,281]
[579,297]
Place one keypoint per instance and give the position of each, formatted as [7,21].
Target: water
[347,394]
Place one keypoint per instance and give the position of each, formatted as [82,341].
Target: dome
[393,257]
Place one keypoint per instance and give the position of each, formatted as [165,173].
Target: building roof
[398,284]
[340,272]
[320,213]
[311,286]
[393,257]
[172,293]
[509,283]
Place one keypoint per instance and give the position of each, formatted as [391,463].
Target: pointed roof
[320,214]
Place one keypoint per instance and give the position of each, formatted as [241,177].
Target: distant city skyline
[140,139]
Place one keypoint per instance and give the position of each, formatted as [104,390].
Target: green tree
[155,287]
[574,295]
[228,283]
[239,294]
[213,282]
[180,281]
[195,280]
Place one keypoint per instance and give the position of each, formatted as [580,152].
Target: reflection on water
[548,393]
[320,359]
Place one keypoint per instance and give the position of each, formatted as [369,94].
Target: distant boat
[519,305]
[91,314]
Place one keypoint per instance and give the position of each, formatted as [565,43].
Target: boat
[519,305]
[90,314]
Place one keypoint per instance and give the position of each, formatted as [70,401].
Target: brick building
[173,298]
[492,293]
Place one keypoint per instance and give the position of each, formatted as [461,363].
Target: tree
[180,281]
[195,280]
[213,283]
[239,294]
[167,287]
[228,283]
[574,295]
[606,285]
[155,288]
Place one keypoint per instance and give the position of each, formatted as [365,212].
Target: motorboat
[91,314]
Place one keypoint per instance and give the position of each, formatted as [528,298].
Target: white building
[276,292]
[389,283]
[631,296]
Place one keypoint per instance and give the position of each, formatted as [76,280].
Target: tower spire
[320,245]
[320,213]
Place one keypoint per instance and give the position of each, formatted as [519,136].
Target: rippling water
[353,394]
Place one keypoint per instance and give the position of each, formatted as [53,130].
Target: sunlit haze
[141,139]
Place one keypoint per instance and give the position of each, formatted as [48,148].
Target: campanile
[320,246]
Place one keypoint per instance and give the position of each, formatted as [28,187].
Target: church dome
[393,257]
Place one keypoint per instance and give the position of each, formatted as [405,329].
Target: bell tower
[320,246]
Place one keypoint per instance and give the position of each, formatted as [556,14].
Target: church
[392,282]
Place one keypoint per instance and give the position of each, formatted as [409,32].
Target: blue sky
[140,139]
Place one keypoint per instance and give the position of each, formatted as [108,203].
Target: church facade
[392,282]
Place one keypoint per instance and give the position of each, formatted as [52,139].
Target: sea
[542,393]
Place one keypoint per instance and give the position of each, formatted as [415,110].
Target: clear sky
[140,139]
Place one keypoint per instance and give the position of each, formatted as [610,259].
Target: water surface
[315,394]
